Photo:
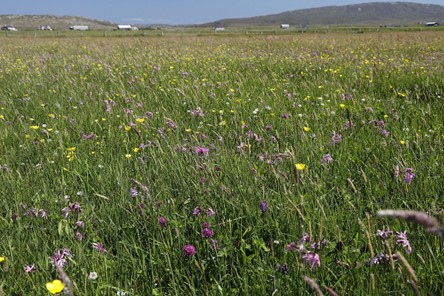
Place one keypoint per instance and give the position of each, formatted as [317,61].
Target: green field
[233,164]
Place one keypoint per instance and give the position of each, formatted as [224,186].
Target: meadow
[222,165]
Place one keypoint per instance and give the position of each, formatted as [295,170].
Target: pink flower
[312,259]
[402,239]
[189,250]
[201,151]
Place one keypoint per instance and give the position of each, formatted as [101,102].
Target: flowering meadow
[222,165]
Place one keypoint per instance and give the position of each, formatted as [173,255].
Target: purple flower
[60,257]
[263,205]
[384,234]
[408,175]
[327,158]
[283,268]
[133,192]
[162,221]
[402,239]
[79,236]
[384,133]
[336,138]
[80,224]
[292,246]
[197,211]
[99,247]
[171,124]
[312,259]
[207,233]
[189,250]
[29,268]
[210,212]
[201,151]
[305,238]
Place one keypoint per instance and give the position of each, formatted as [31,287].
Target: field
[222,165]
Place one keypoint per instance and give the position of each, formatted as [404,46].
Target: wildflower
[60,257]
[210,212]
[292,246]
[384,234]
[79,236]
[327,158]
[72,149]
[55,287]
[128,156]
[92,276]
[133,192]
[99,247]
[408,175]
[384,133]
[140,120]
[263,206]
[402,239]
[162,221]
[29,268]
[336,138]
[197,211]
[312,259]
[189,250]
[80,223]
[305,238]
[342,106]
[402,142]
[34,127]
[207,232]
[2,259]
[306,129]
[201,151]
[70,156]
[300,167]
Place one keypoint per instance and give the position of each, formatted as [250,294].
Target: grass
[101,137]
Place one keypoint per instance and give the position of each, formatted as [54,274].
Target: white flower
[92,275]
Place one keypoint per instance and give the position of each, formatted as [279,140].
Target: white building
[124,27]
[285,26]
[79,28]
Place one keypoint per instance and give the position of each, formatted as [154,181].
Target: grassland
[221,165]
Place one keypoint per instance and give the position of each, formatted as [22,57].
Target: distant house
[218,29]
[45,28]
[79,28]
[9,28]
[432,24]
[124,27]
[285,26]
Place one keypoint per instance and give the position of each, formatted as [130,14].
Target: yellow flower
[306,129]
[386,116]
[127,128]
[2,259]
[128,156]
[2,117]
[51,115]
[140,120]
[342,106]
[300,166]
[34,127]
[137,149]
[72,149]
[55,287]
[402,142]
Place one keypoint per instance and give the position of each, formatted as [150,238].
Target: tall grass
[145,146]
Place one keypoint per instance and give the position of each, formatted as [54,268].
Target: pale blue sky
[167,11]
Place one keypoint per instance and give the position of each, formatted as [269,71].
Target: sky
[174,12]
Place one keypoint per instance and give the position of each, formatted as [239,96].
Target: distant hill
[32,22]
[374,13]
